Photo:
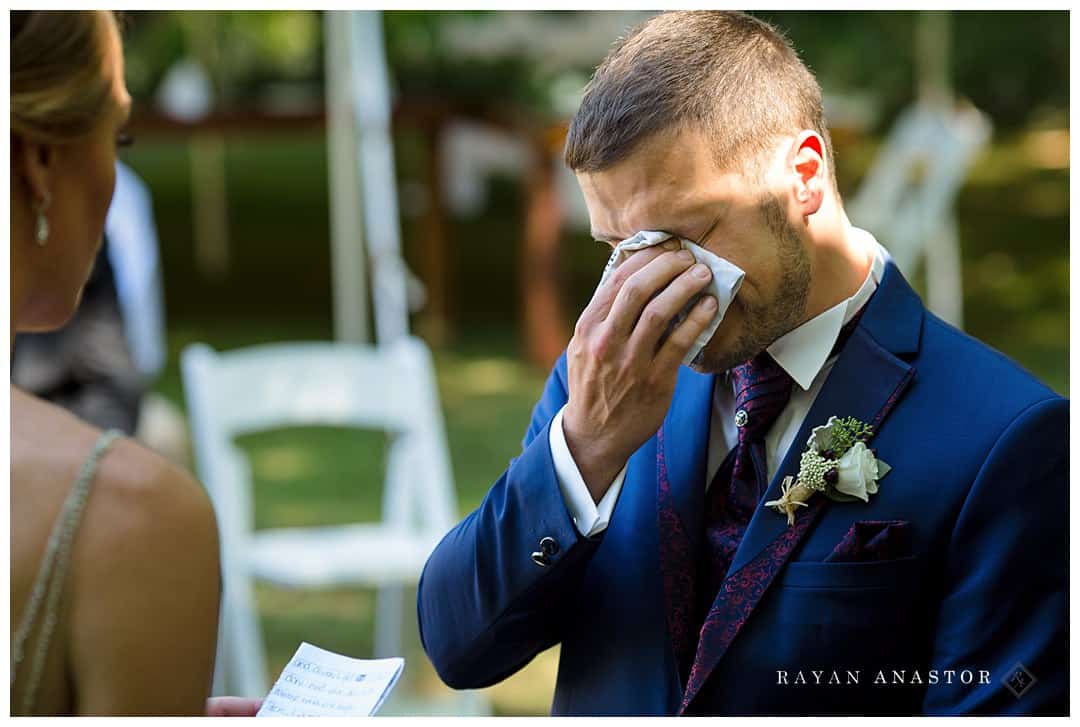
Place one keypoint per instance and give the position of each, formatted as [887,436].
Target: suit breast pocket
[892,573]
[849,593]
[851,618]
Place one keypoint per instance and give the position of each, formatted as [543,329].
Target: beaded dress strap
[52,573]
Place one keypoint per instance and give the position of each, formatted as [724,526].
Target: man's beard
[764,324]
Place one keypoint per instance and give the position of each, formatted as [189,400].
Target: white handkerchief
[725,283]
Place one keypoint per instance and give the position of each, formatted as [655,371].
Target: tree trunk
[546,329]
[434,322]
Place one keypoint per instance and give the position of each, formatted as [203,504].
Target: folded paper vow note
[320,683]
[726,279]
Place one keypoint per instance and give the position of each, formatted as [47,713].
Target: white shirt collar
[803,351]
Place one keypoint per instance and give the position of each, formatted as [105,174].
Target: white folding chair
[907,197]
[270,386]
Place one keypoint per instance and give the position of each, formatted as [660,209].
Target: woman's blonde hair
[60,85]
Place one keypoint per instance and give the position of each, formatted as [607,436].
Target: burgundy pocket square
[869,540]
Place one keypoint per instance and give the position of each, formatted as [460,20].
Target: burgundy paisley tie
[762,390]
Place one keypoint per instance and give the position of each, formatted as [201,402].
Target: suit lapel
[683,442]
[681,452]
[866,382]
[861,383]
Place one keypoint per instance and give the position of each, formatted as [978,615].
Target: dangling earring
[41,228]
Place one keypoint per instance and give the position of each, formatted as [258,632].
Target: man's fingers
[600,305]
[683,336]
[657,316]
[640,288]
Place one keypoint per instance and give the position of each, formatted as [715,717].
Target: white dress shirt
[802,352]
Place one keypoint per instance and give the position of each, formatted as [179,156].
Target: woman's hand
[232,707]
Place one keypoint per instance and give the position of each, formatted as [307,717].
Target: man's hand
[621,373]
[232,707]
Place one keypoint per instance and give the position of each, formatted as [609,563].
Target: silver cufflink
[548,547]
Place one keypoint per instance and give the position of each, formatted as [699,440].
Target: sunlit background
[494,230]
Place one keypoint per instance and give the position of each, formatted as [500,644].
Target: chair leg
[474,703]
[220,686]
[247,665]
[389,602]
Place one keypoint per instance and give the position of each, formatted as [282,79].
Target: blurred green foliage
[423,66]
[1012,64]
[242,50]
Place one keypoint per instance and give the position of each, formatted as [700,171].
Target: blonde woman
[114,554]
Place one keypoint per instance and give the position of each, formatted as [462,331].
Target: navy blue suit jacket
[979,450]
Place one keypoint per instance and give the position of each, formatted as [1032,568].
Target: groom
[633,528]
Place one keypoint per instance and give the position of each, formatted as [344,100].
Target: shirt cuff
[589,517]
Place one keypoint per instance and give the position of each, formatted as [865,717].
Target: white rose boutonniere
[858,472]
[836,462]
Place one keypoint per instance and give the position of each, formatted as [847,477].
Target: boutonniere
[837,463]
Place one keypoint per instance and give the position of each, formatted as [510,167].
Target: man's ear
[34,163]
[808,172]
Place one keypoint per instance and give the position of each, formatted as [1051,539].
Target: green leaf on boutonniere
[846,432]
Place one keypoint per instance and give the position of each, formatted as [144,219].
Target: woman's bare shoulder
[48,445]
[141,491]
[137,498]
[147,505]
[144,577]
[132,483]
[147,582]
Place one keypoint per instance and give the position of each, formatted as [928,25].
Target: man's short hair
[726,74]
